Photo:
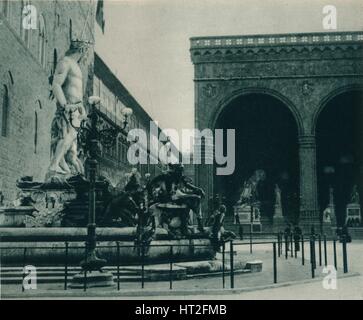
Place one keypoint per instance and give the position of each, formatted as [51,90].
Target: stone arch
[330,96]
[255,90]
[337,128]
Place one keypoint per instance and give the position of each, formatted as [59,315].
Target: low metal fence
[283,247]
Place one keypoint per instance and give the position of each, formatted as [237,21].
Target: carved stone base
[54,180]
[279,223]
[278,211]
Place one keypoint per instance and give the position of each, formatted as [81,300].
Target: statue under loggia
[247,209]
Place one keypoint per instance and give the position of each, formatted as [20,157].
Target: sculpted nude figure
[68,91]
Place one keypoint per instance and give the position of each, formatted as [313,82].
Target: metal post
[345,261]
[274,262]
[142,266]
[231,263]
[24,263]
[325,252]
[312,258]
[66,268]
[118,265]
[319,238]
[251,228]
[335,253]
[278,245]
[251,240]
[92,261]
[171,268]
[223,265]
[302,250]
[314,253]
[240,230]
[85,280]
[85,270]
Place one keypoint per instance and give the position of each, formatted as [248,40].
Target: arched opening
[266,139]
[339,133]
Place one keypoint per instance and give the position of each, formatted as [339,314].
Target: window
[11,77]
[55,60]
[70,30]
[35,131]
[25,33]
[5,112]
[21,19]
[42,41]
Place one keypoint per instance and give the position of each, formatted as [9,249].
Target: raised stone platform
[14,217]
[46,246]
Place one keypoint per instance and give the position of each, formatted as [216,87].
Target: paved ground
[291,275]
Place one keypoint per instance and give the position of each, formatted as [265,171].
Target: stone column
[309,212]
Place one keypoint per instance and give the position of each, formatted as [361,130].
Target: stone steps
[159,272]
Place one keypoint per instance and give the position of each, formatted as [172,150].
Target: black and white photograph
[202,150]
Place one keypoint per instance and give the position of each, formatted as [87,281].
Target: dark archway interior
[266,138]
[339,135]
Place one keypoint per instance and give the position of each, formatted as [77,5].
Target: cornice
[209,49]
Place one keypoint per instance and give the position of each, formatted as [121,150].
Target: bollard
[325,252]
[302,250]
[23,277]
[335,253]
[223,264]
[274,262]
[319,238]
[66,267]
[345,261]
[118,265]
[312,253]
[171,269]
[231,263]
[142,266]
